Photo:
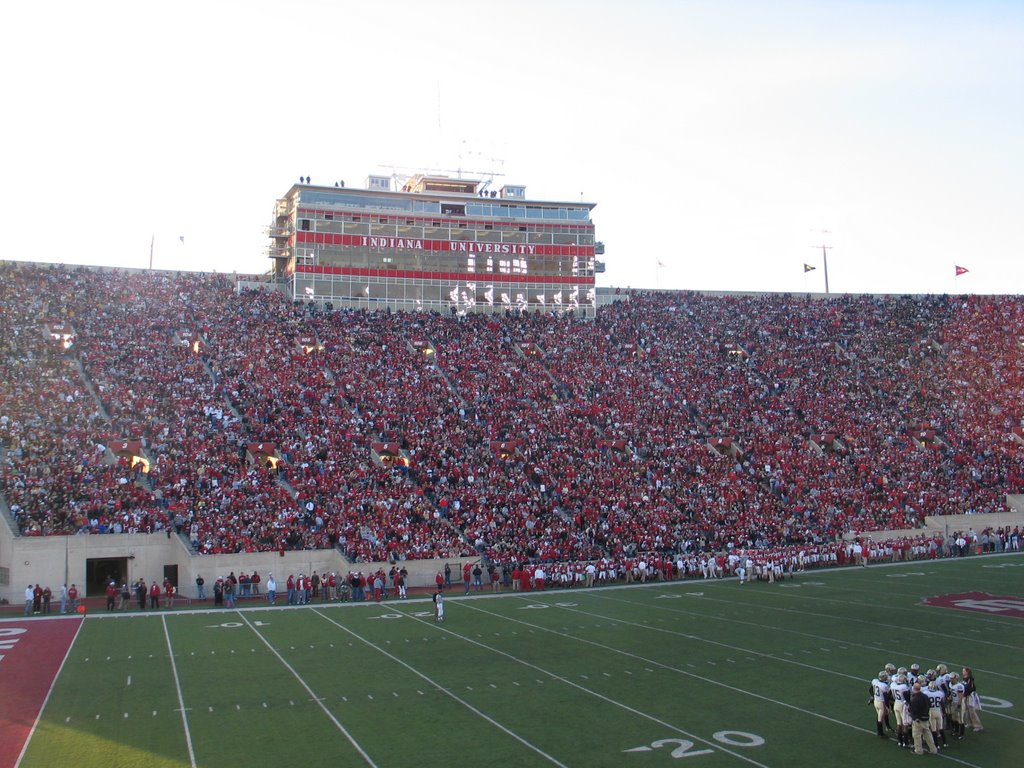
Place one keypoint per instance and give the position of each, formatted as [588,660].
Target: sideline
[450,594]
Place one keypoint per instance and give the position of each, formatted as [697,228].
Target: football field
[694,673]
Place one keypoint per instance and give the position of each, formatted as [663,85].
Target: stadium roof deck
[439,195]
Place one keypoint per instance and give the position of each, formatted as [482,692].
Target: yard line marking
[311,692]
[584,689]
[181,698]
[946,635]
[445,691]
[871,647]
[668,667]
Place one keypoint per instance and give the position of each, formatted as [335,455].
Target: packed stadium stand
[672,422]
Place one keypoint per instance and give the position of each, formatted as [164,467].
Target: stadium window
[304,225]
[329,216]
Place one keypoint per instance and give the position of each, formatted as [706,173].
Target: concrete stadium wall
[947,524]
[52,560]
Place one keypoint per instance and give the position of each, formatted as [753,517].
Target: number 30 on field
[684,747]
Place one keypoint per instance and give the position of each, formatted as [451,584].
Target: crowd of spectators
[673,423]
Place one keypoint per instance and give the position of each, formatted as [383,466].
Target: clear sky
[717,138]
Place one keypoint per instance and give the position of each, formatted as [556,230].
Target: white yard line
[312,694]
[49,692]
[977,616]
[446,692]
[833,617]
[709,680]
[831,672]
[181,698]
[759,625]
[555,676]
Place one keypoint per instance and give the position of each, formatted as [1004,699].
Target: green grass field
[711,674]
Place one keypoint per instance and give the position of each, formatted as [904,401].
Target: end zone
[32,653]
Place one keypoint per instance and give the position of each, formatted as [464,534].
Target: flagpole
[824,258]
[152,239]
[824,255]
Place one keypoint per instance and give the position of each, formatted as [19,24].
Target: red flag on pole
[961,271]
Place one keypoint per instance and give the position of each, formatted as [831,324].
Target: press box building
[435,243]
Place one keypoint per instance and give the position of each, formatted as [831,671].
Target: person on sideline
[971,703]
[920,708]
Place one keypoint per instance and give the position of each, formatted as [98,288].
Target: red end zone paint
[31,654]
[999,605]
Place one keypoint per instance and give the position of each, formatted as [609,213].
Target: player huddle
[926,705]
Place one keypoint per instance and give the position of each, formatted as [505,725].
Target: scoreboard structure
[436,243]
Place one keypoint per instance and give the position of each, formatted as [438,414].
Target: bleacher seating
[674,422]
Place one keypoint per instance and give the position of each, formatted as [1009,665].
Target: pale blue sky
[715,137]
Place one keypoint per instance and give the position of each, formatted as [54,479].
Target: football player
[936,705]
[956,704]
[900,691]
[879,694]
